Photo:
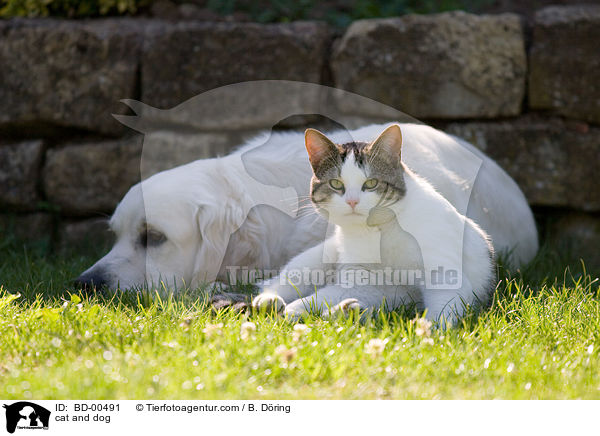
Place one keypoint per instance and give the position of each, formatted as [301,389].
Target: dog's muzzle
[89,281]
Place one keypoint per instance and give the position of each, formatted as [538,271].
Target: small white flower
[299,331]
[186,323]
[300,328]
[212,329]
[286,354]
[422,327]
[590,349]
[171,344]
[428,341]
[247,330]
[375,346]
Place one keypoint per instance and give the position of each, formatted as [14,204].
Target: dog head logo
[26,415]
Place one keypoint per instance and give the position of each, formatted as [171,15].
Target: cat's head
[352,181]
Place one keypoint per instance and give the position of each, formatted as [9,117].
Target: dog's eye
[152,238]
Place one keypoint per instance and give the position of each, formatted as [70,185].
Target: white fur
[197,205]
[423,232]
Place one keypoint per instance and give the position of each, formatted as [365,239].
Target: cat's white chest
[391,247]
[359,248]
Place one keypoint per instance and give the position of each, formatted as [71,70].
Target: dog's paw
[269,303]
[345,307]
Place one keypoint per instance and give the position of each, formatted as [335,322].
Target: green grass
[539,339]
[339,13]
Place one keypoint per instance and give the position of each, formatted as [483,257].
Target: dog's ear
[214,238]
[248,244]
[216,225]
[235,224]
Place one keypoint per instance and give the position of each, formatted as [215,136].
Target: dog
[196,223]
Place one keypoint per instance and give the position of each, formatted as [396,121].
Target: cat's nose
[352,202]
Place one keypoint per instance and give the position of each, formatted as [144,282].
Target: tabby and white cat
[396,241]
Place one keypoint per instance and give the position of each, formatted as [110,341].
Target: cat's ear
[389,142]
[319,147]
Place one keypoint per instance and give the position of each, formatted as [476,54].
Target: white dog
[189,225]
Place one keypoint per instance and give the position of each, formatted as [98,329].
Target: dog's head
[172,230]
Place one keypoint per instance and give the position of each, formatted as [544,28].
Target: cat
[395,235]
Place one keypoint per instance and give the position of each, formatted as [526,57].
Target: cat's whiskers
[298,202]
[306,205]
[297,198]
[307,209]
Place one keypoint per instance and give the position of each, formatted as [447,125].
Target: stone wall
[526,94]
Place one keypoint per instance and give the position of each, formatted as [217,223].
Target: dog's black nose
[90,281]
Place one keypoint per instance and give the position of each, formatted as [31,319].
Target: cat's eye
[370,184]
[336,184]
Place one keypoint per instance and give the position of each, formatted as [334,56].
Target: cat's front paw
[269,303]
[295,310]
[345,307]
